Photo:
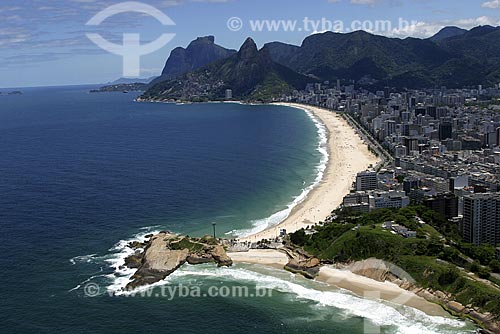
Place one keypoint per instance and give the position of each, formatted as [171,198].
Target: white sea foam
[121,275]
[83,259]
[407,320]
[121,250]
[85,282]
[278,217]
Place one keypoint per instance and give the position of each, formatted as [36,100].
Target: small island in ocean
[15,92]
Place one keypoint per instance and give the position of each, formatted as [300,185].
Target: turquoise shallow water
[82,174]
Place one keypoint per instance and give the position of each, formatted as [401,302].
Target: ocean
[82,175]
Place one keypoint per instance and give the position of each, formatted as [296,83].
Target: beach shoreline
[335,278]
[348,155]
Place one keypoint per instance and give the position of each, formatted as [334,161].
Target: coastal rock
[302,263]
[200,258]
[220,256]
[133,261]
[158,261]
[166,252]
[308,268]
[455,307]
[381,271]
[136,244]
[428,295]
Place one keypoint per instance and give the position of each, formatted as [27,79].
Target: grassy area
[185,243]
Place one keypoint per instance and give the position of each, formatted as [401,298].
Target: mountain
[199,53]
[448,32]
[480,43]
[375,61]
[476,57]
[361,56]
[453,57]
[282,52]
[250,74]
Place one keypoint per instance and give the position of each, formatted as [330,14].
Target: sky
[45,43]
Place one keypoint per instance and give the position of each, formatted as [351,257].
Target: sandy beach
[270,257]
[344,279]
[348,155]
[369,288]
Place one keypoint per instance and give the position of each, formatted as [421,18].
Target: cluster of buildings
[368,196]
[443,147]
[398,229]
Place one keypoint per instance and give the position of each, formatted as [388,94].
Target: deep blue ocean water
[80,174]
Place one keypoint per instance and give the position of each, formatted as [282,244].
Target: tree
[484,254]
[298,238]
[451,254]
[484,273]
[495,266]
[448,277]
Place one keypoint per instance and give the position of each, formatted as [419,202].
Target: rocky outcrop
[164,253]
[199,53]
[308,268]
[215,254]
[381,271]
[302,263]
[220,257]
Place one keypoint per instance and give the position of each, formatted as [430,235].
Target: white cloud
[491,4]
[363,2]
[9,9]
[422,29]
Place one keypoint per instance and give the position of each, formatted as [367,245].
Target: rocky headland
[163,253]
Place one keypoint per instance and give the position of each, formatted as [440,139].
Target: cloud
[491,4]
[9,9]
[212,1]
[421,29]
[355,2]
[364,2]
